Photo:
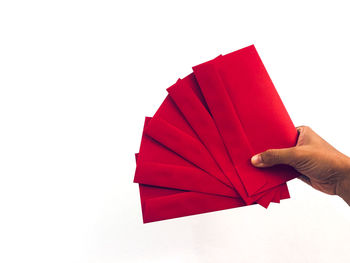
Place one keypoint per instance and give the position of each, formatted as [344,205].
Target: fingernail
[256,160]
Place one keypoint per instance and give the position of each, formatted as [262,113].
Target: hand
[320,164]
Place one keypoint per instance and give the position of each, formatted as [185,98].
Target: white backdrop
[77,79]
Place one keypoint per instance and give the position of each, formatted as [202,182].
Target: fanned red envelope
[158,166]
[195,151]
[186,95]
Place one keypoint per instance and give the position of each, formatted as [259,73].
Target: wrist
[343,185]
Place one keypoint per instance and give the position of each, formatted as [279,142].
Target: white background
[77,79]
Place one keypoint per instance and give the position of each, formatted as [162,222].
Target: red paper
[163,203]
[170,128]
[248,113]
[195,151]
[186,95]
[159,166]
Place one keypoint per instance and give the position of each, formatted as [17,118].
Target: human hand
[320,164]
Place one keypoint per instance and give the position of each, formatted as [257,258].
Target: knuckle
[271,156]
[307,129]
[293,156]
[304,127]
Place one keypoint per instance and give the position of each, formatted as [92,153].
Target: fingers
[305,179]
[273,157]
[299,129]
[307,136]
[283,156]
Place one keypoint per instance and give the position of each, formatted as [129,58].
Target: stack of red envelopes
[195,151]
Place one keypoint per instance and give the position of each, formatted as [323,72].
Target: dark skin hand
[320,164]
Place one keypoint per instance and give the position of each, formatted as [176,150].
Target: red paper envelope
[159,166]
[182,140]
[248,113]
[195,152]
[170,128]
[192,108]
[163,203]
[186,95]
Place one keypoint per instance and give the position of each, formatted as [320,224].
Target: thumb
[274,156]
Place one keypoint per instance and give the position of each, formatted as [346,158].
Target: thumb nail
[256,160]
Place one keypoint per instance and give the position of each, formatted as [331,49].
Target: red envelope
[159,166]
[185,143]
[164,203]
[182,140]
[170,128]
[187,96]
[195,152]
[161,203]
[248,113]
[192,108]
